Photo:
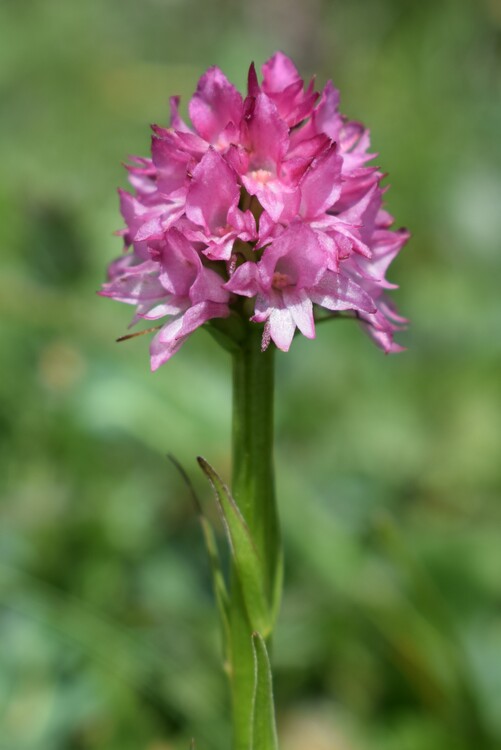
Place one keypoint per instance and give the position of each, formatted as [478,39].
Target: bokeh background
[389,470]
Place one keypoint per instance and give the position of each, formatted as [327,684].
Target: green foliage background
[388,467]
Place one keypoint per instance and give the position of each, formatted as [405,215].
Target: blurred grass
[390,637]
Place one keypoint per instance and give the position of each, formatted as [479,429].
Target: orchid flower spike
[266,199]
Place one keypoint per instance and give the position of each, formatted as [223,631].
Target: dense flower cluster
[268,198]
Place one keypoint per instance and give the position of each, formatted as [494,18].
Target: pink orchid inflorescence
[265,209]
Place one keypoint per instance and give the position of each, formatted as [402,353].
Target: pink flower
[267,197]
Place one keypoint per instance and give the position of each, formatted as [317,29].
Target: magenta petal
[301,309]
[321,184]
[171,164]
[238,158]
[208,286]
[381,332]
[179,261]
[172,336]
[253,88]
[135,285]
[149,229]
[268,229]
[336,291]
[274,198]
[212,192]
[267,133]
[173,306]
[244,224]
[279,72]
[282,327]
[284,85]
[386,248]
[307,149]
[326,117]
[297,255]
[365,210]
[245,280]
[176,120]
[215,103]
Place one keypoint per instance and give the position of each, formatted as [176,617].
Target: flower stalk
[253,488]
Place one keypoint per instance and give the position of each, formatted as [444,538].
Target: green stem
[254,492]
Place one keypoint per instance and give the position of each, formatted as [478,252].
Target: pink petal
[171,164]
[386,247]
[279,72]
[208,287]
[244,223]
[364,210]
[253,87]
[172,336]
[321,184]
[173,306]
[338,292]
[245,280]
[297,254]
[215,103]
[274,196]
[238,158]
[282,327]
[137,284]
[176,120]
[283,84]
[220,248]
[180,263]
[326,117]
[300,307]
[212,192]
[266,133]
[381,332]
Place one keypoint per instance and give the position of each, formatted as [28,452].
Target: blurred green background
[389,469]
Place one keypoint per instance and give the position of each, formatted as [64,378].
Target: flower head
[269,198]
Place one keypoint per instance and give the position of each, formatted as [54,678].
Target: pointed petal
[179,261]
[282,327]
[137,284]
[245,280]
[171,164]
[267,134]
[176,120]
[301,309]
[213,191]
[321,184]
[297,254]
[172,336]
[279,72]
[208,286]
[253,88]
[326,117]
[215,103]
[336,291]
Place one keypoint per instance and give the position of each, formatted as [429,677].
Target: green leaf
[264,731]
[246,559]
[220,590]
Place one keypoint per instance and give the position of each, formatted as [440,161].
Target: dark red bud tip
[252,82]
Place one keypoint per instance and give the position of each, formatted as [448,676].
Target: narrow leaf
[247,562]
[220,590]
[264,731]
